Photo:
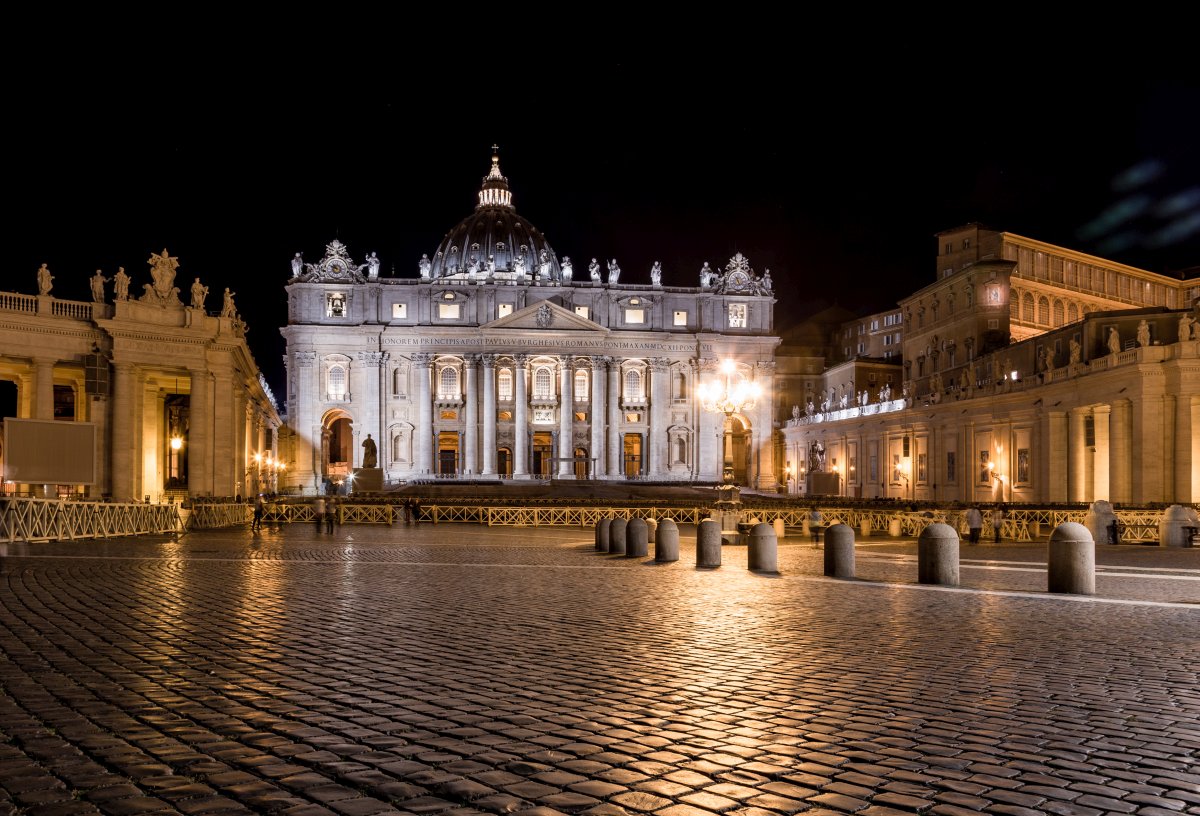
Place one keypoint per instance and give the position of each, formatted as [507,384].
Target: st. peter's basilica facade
[503,359]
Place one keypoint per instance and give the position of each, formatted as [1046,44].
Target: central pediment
[545,315]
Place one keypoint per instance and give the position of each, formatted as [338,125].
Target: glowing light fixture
[732,395]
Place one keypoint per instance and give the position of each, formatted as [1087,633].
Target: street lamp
[732,395]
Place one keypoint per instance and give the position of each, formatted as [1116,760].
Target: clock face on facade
[738,280]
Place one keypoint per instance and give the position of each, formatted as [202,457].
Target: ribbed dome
[495,231]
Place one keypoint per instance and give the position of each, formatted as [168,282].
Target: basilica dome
[494,243]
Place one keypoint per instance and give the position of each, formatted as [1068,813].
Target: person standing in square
[974,525]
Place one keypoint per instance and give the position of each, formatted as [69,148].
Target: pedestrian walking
[815,520]
[997,521]
[330,515]
[408,514]
[974,524]
[319,512]
[416,511]
[256,525]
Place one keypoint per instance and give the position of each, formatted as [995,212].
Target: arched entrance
[337,446]
[736,465]
[581,463]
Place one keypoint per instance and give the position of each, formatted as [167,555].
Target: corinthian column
[124,382]
[489,414]
[566,419]
[521,420]
[656,439]
[614,418]
[471,444]
[424,414]
[599,468]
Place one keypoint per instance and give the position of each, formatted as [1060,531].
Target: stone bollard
[1173,529]
[894,527]
[763,552]
[777,526]
[651,529]
[864,527]
[603,527]
[616,536]
[666,541]
[937,555]
[708,544]
[1071,565]
[636,538]
[839,551]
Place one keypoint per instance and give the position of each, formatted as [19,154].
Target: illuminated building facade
[178,403]
[502,359]
[1029,373]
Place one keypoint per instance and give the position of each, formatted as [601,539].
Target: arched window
[1059,313]
[633,386]
[680,450]
[581,386]
[397,382]
[1027,308]
[1072,313]
[448,384]
[397,448]
[337,382]
[678,386]
[1043,316]
[504,385]
[543,384]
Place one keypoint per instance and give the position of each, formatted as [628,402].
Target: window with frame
[737,315]
[337,382]
[543,384]
[504,385]
[635,315]
[584,312]
[448,311]
[581,386]
[633,386]
[399,311]
[680,317]
[504,309]
[448,384]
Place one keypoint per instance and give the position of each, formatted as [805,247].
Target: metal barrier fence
[25,519]
[33,519]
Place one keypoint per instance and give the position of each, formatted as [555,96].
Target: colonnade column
[43,403]
[1145,418]
[599,463]
[1077,481]
[1187,435]
[614,418]
[1101,464]
[566,419]
[656,439]
[521,418]
[1056,455]
[489,414]
[470,464]
[122,431]
[1120,487]
[764,430]
[421,362]
[199,436]
[223,476]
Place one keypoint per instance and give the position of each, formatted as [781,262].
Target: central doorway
[448,453]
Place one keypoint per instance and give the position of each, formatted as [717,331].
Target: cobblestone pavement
[461,670]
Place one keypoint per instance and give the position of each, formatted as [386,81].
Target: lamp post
[728,396]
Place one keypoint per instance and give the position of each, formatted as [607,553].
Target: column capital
[521,360]
[658,363]
[306,358]
[371,358]
[488,359]
[422,359]
[471,359]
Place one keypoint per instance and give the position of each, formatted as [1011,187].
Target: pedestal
[368,480]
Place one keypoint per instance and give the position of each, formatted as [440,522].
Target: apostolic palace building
[1023,372]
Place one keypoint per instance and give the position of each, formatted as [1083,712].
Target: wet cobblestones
[461,670]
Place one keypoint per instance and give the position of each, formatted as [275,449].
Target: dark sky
[837,187]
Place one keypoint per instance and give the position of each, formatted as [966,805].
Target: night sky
[837,188]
